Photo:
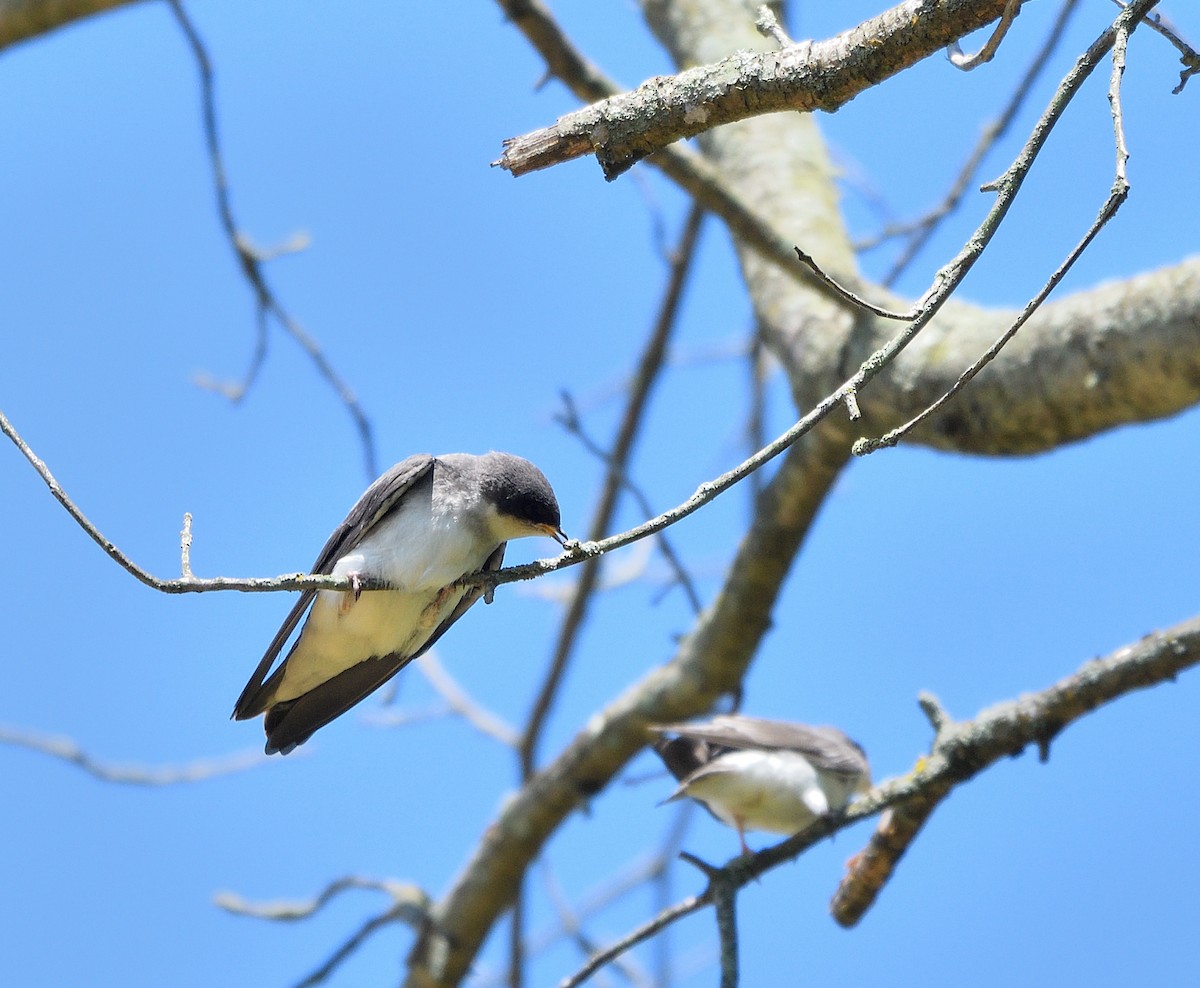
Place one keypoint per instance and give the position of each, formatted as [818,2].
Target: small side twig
[1187,54]
[848,295]
[724,894]
[769,27]
[185,548]
[961,60]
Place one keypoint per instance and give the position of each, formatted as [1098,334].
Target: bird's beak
[557,534]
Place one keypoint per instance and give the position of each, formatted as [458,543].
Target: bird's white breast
[416,548]
[419,553]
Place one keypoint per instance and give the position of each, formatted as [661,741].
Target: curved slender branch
[1116,197]
[250,260]
[69,751]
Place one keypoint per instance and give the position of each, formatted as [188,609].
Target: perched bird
[423,525]
[755,774]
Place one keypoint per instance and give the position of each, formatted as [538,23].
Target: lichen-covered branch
[810,75]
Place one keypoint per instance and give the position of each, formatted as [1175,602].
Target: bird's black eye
[536,506]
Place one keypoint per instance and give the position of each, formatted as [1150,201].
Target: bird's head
[522,498]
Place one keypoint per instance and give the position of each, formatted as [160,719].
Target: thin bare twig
[653,869]
[724,896]
[647,374]
[644,932]
[69,751]
[185,548]
[291,910]
[251,261]
[769,27]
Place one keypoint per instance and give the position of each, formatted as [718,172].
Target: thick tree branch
[692,172]
[807,76]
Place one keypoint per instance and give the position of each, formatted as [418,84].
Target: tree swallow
[423,525]
[755,774]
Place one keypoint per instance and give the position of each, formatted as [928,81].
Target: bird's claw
[350,599]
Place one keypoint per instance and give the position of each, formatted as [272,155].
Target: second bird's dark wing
[827,748]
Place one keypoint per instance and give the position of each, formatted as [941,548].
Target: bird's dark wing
[827,748]
[293,722]
[379,500]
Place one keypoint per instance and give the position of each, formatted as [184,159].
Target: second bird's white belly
[776,791]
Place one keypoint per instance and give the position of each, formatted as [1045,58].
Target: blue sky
[459,303]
